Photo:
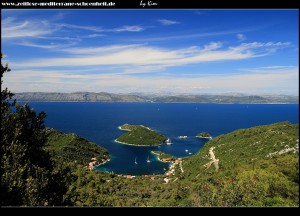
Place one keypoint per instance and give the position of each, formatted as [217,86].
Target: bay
[98,123]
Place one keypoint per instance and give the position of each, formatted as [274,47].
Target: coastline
[120,127]
[104,162]
[135,144]
[158,158]
[172,166]
[209,138]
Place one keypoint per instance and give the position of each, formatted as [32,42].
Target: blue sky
[152,51]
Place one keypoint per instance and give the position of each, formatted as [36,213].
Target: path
[213,160]
[180,165]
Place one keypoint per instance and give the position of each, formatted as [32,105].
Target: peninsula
[163,157]
[74,149]
[140,135]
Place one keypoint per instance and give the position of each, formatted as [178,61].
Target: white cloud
[167,22]
[99,50]
[278,67]
[139,55]
[28,28]
[127,29]
[67,81]
[34,28]
[87,28]
[123,62]
[241,37]
[46,46]
[196,35]
[212,46]
[270,69]
[91,36]
[260,49]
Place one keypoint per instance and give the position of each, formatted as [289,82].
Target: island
[163,157]
[204,135]
[140,135]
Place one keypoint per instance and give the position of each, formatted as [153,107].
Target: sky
[152,51]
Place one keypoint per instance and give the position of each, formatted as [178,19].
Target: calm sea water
[98,123]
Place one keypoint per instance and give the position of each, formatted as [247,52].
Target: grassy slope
[247,174]
[139,135]
[245,146]
[73,148]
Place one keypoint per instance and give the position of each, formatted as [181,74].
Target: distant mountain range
[109,97]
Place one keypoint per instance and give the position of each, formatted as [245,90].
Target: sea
[98,122]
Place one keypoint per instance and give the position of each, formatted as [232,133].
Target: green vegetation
[258,166]
[163,156]
[129,127]
[28,175]
[73,148]
[140,135]
[204,135]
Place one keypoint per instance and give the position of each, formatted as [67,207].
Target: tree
[28,175]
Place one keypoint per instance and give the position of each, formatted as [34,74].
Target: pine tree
[28,176]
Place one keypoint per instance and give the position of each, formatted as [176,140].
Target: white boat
[190,153]
[168,142]
[148,161]
[186,150]
[135,161]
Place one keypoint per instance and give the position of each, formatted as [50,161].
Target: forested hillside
[258,166]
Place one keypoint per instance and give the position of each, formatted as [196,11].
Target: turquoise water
[98,123]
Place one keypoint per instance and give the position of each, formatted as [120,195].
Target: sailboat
[135,161]
[148,161]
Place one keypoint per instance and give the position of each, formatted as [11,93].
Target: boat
[148,161]
[135,161]
[168,142]
[186,150]
[182,137]
[190,153]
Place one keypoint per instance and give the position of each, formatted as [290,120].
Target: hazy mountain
[138,97]
[78,97]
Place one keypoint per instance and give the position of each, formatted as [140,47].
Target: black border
[156,4]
